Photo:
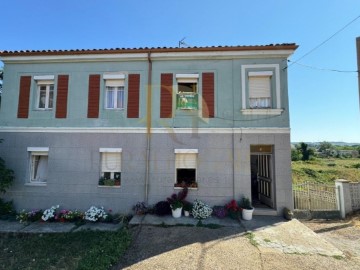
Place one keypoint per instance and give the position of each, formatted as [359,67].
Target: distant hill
[334,143]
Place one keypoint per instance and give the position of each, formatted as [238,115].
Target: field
[322,170]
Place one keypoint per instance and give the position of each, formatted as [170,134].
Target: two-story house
[112,127]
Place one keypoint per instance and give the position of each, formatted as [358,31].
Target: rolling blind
[186,160]
[111,162]
[259,87]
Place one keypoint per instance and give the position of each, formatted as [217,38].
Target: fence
[312,196]
[326,201]
[355,196]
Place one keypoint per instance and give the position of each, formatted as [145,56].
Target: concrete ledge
[42,227]
[11,226]
[100,227]
[170,221]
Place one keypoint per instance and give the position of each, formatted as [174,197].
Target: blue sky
[324,105]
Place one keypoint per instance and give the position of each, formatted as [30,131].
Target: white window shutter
[111,162]
[186,161]
[259,87]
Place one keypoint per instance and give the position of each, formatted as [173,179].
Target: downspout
[148,126]
[233,133]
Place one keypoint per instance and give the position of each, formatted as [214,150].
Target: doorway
[262,180]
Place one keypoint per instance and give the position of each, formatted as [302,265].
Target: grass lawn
[76,250]
[324,170]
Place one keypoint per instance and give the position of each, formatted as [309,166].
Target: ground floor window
[38,164]
[110,174]
[186,166]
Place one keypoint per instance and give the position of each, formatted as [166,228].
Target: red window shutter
[94,96]
[133,96]
[24,97]
[208,101]
[61,96]
[166,92]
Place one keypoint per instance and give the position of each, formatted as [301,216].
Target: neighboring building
[113,127]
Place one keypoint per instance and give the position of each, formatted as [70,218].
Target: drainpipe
[148,127]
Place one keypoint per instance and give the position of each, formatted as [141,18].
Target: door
[262,174]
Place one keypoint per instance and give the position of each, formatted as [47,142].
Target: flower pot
[186,213]
[247,214]
[176,213]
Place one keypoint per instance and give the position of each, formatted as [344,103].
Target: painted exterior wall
[223,142]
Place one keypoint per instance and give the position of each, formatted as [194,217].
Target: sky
[324,105]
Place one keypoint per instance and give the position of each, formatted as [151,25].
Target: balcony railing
[187,101]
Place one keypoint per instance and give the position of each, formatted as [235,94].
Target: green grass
[77,250]
[322,170]
[251,238]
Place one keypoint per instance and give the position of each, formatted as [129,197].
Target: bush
[162,208]
[201,210]
[6,209]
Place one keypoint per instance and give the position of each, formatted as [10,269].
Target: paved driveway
[286,245]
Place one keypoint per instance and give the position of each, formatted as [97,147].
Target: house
[113,127]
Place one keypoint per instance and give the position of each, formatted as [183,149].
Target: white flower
[94,214]
[49,213]
[200,210]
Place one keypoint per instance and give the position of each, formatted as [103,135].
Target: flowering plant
[140,208]
[233,209]
[200,210]
[177,200]
[33,215]
[94,214]
[68,215]
[50,213]
[219,211]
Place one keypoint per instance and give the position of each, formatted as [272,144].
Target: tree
[323,146]
[6,176]
[305,151]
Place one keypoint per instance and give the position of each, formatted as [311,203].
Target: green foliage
[323,146]
[325,170]
[79,250]
[7,210]
[6,176]
[295,155]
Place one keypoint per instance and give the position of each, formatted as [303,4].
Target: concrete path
[263,243]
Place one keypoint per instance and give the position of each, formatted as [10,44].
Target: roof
[283,46]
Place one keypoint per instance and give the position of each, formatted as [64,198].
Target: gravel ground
[343,234]
[182,247]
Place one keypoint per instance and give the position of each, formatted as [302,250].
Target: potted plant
[176,202]
[187,208]
[247,208]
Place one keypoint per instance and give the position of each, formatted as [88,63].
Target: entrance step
[265,212]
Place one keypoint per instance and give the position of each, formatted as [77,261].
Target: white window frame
[261,70]
[35,152]
[188,78]
[103,152]
[183,153]
[114,82]
[48,82]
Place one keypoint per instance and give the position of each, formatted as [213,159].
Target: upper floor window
[45,92]
[187,91]
[260,89]
[115,90]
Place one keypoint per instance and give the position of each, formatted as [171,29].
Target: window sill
[109,186]
[115,109]
[189,188]
[36,184]
[262,111]
[42,110]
